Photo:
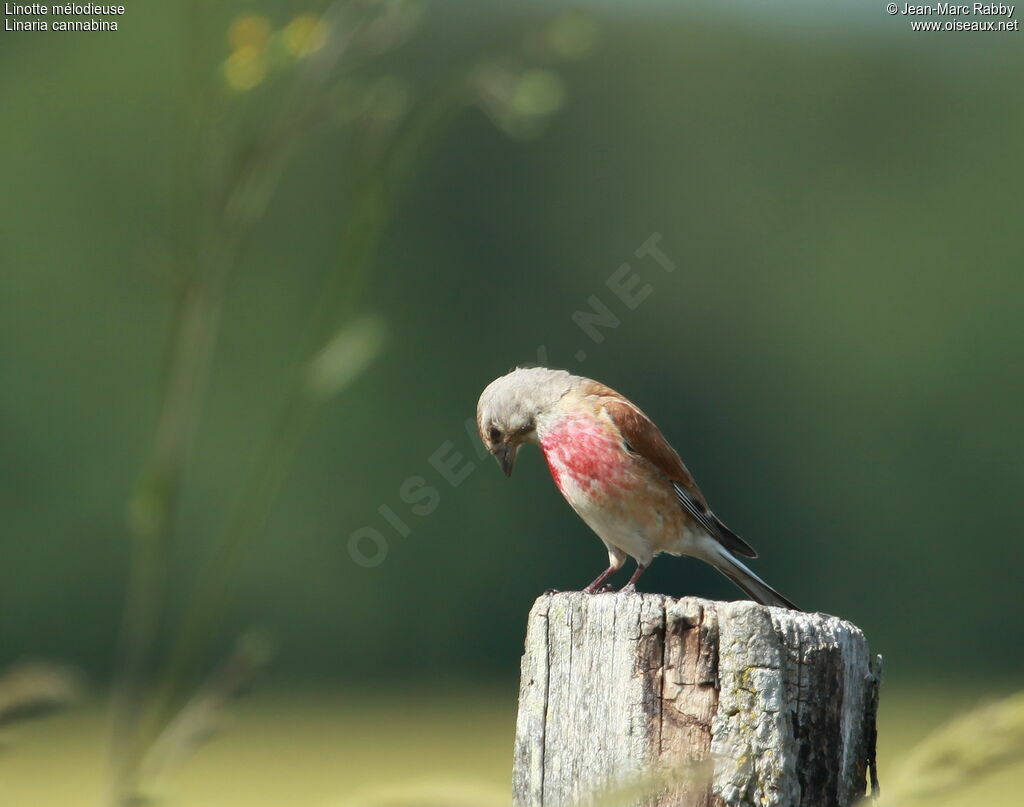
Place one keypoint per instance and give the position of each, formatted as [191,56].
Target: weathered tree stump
[697,703]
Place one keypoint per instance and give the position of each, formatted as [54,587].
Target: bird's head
[506,415]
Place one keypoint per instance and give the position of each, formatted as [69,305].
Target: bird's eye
[495,434]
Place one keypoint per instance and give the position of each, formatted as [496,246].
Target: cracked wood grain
[757,706]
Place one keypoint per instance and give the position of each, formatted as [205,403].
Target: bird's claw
[605,589]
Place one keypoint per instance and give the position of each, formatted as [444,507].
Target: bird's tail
[752,585]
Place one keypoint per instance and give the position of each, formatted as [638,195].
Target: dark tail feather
[732,541]
[752,585]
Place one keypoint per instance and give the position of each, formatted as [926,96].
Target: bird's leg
[631,585]
[596,587]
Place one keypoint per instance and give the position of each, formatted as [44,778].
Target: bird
[617,471]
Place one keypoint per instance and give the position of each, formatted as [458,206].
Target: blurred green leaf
[349,352]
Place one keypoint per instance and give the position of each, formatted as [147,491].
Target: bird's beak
[505,454]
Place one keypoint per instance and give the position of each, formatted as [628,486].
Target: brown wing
[642,437]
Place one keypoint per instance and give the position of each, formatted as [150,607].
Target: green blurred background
[837,355]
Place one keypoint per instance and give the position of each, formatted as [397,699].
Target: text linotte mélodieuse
[68,10]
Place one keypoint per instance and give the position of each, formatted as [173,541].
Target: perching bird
[616,470]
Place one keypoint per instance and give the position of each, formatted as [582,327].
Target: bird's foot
[629,588]
[605,589]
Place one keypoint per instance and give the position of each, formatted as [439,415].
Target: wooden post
[697,703]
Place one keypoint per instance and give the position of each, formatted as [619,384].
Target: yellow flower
[304,35]
[249,30]
[245,68]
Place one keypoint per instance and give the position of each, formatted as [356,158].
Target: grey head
[506,415]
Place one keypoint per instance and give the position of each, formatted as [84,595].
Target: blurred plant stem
[153,511]
[342,289]
[213,249]
[195,324]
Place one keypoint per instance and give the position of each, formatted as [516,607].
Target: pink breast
[583,450]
